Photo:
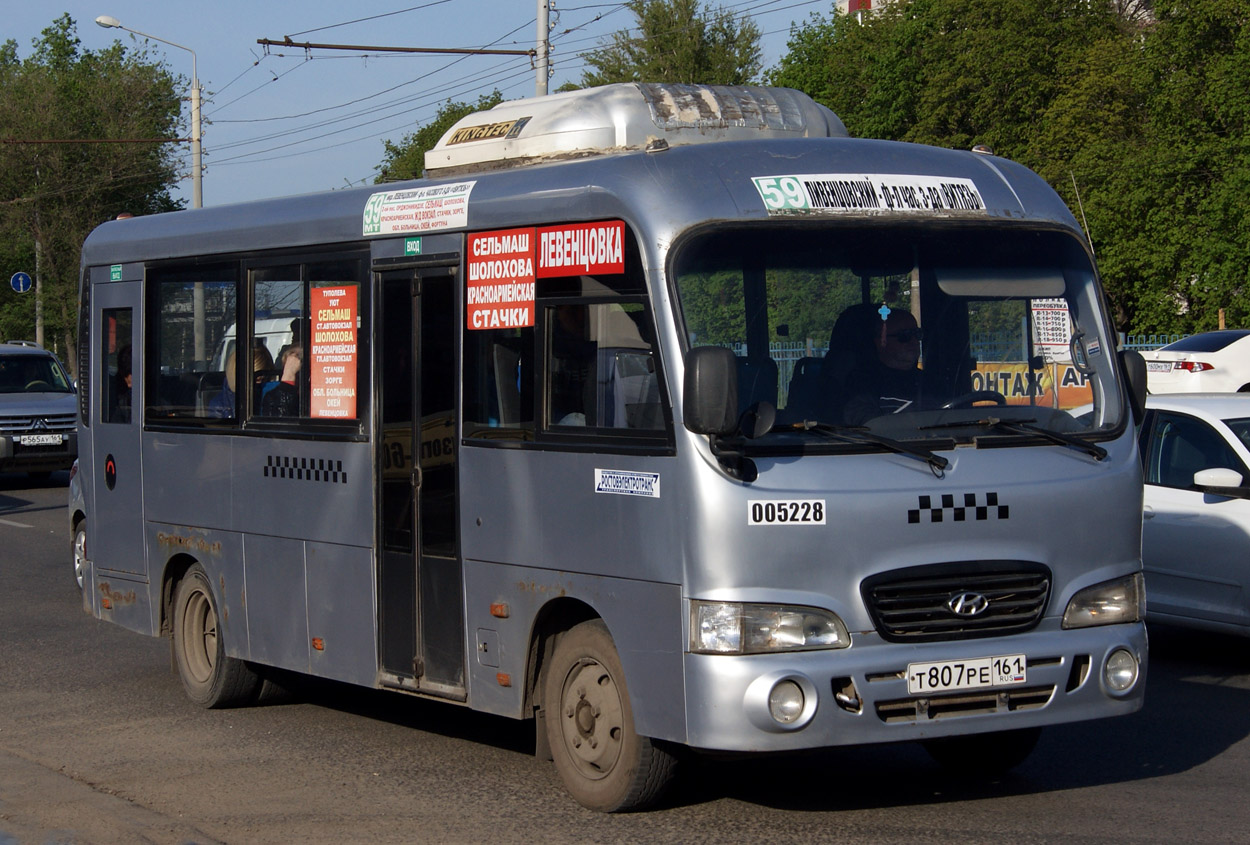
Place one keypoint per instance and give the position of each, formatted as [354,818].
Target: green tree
[678,41]
[946,72]
[406,160]
[54,194]
[1144,114]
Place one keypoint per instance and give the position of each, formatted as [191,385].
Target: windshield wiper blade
[984,422]
[859,434]
[1027,427]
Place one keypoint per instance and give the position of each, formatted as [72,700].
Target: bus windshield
[913,333]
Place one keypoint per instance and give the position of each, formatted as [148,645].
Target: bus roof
[626,116]
[661,190]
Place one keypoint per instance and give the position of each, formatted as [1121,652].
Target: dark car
[38,411]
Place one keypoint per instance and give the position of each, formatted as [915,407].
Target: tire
[79,549]
[210,678]
[984,755]
[600,758]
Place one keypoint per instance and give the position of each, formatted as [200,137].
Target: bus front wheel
[210,678]
[602,761]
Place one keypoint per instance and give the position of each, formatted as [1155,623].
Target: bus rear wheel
[210,678]
[601,759]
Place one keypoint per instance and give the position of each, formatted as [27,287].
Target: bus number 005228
[786,512]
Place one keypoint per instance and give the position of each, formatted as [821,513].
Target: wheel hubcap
[592,719]
[80,556]
[200,635]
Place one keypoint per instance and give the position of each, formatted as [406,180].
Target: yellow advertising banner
[1053,385]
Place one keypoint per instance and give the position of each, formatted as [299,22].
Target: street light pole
[197,173]
[197,193]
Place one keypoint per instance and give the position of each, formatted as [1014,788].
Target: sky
[282,121]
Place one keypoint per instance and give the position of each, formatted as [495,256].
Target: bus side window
[498,386]
[116,359]
[308,321]
[192,311]
[601,369]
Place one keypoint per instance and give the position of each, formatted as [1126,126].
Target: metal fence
[1144,342]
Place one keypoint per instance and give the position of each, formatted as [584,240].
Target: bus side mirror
[1135,369]
[710,401]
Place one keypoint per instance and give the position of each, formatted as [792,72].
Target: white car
[1205,362]
[1196,517]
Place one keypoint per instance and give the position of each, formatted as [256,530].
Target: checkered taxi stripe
[305,469]
[968,508]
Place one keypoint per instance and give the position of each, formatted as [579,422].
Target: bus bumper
[859,695]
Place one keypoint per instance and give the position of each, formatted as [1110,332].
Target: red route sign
[332,354]
[500,279]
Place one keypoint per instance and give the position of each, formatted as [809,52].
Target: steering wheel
[970,399]
[37,384]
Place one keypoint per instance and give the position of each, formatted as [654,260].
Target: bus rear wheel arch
[603,762]
[210,677]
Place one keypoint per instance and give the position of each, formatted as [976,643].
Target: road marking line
[15,524]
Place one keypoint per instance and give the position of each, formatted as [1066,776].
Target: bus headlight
[736,628]
[1108,603]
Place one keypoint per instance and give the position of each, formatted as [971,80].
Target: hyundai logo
[968,604]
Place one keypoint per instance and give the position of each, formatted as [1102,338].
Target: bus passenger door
[420,594]
[115,526]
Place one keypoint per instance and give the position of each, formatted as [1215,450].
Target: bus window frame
[245,421]
[550,433]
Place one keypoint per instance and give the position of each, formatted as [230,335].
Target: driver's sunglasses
[907,335]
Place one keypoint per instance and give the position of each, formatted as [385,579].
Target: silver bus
[668,417]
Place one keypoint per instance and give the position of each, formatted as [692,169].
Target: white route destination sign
[418,210]
[858,193]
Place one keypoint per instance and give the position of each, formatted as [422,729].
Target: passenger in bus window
[890,381]
[297,339]
[120,406]
[223,404]
[281,399]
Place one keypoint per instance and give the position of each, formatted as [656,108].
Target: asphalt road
[99,745]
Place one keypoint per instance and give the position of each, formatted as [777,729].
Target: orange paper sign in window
[332,355]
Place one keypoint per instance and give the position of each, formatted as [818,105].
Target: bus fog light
[785,702]
[780,701]
[1120,671]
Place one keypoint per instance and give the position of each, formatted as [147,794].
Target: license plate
[947,675]
[1158,366]
[39,439]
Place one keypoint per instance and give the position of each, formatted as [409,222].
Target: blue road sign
[20,282]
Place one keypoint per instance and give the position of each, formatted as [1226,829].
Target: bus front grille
[957,601]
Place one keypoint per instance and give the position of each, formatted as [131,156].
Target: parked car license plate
[974,673]
[1158,366]
[39,439]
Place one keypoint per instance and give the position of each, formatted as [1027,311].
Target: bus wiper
[1028,427]
[860,434]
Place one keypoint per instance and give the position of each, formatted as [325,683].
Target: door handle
[1147,512]
[416,478]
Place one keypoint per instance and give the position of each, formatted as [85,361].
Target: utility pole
[38,274]
[542,58]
